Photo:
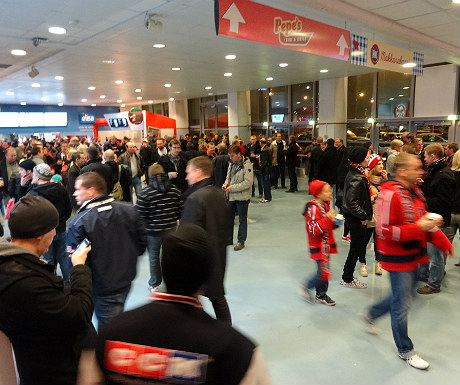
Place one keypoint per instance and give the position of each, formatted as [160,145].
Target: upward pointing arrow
[235,17]
[342,44]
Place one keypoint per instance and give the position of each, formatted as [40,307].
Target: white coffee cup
[339,218]
[434,216]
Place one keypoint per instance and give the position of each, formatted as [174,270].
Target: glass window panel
[433,132]
[393,95]
[302,102]
[360,96]
[279,104]
[358,134]
[157,108]
[259,111]
[194,112]
[222,98]
[166,109]
[388,132]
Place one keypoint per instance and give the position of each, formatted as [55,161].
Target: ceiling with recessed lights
[107,46]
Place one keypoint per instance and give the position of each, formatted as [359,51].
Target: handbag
[9,206]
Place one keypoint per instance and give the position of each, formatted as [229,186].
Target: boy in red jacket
[319,224]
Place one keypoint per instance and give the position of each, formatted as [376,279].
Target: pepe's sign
[290,32]
[388,57]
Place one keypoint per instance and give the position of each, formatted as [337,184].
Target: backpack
[117,192]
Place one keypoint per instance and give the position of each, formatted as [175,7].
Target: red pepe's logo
[135,116]
[290,32]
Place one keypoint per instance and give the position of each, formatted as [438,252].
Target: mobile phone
[83,245]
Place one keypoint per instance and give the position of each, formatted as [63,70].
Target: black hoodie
[57,195]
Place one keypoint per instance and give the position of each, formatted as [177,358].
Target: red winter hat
[316,187]
[373,160]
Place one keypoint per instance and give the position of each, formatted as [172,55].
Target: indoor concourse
[315,344]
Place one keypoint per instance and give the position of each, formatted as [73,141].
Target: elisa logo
[375,54]
[87,118]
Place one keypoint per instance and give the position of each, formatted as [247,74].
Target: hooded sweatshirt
[44,320]
[159,204]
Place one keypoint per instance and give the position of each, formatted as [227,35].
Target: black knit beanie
[357,154]
[31,217]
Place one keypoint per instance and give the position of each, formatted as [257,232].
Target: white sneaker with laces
[416,361]
[355,284]
[363,270]
[378,269]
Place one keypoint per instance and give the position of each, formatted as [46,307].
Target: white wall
[332,107]
[436,91]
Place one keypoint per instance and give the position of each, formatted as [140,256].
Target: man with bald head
[133,160]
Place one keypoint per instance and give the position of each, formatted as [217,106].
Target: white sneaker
[370,327]
[355,284]
[378,269]
[416,361]
[363,270]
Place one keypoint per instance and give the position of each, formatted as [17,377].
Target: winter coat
[356,196]
[126,178]
[44,319]
[315,157]
[125,159]
[240,181]
[328,165]
[220,167]
[291,154]
[265,160]
[168,166]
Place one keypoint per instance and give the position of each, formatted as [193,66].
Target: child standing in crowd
[376,174]
[319,223]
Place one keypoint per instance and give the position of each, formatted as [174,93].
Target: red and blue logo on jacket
[156,363]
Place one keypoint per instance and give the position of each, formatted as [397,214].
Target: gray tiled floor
[317,344]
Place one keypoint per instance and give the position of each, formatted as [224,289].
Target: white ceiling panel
[373,4]
[406,10]
[430,20]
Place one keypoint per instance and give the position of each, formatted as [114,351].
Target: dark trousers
[266,186]
[221,309]
[280,172]
[240,208]
[292,178]
[258,175]
[357,246]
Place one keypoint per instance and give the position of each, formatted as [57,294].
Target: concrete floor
[317,344]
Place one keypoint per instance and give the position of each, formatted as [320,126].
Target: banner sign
[247,20]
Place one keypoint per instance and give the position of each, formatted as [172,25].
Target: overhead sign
[135,116]
[388,57]
[87,118]
[244,19]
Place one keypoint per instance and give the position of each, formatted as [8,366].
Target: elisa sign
[87,118]
[135,116]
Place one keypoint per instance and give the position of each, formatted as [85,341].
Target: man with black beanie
[45,321]
[185,345]
[357,209]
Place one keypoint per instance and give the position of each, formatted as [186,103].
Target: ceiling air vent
[5,65]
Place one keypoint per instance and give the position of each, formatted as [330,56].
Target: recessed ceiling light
[59,77]
[407,87]
[18,52]
[283,64]
[118,81]
[84,100]
[93,105]
[208,88]
[108,61]
[139,98]
[230,57]
[409,65]
[57,30]
[36,85]
[23,104]
[456,1]
[167,85]
[123,105]
[210,93]
[324,71]
[43,99]
[361,94]
[400,95]
[91,88]
[60,104]
[10,93]
[228,74]
[102,97]
[150,101]
[308,87]
[119,101]
[297,102]
[60,95]
[177,92]
[269,78]
[175,69]
[171,99]
[159,45]
[305,97]
[391,99]
[137,90]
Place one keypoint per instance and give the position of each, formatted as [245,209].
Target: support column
[238,115]
[178,109]
[332,108]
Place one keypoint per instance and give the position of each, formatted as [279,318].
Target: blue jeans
[56,254]
[398,304]
[240,207]
[433,273]
[136,184]
[316,282]
[258,175]
[153,247]
[266,186]
[107,307]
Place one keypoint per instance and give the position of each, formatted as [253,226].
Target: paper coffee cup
[433,216]
[339,218]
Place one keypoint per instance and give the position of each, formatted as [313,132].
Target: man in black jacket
[253,153]
[291,162]
[265,170]
[117,237]
[78,161]
[439,191]
[57,195]
[93,164]
[357,209]
[220,166]
[120,172]
[328,165]
[174,165]
[171,339]
[45,320]
[315,159]
[206,207]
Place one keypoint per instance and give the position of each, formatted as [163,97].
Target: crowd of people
[124,200]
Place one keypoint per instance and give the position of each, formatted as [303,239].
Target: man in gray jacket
[238,185]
